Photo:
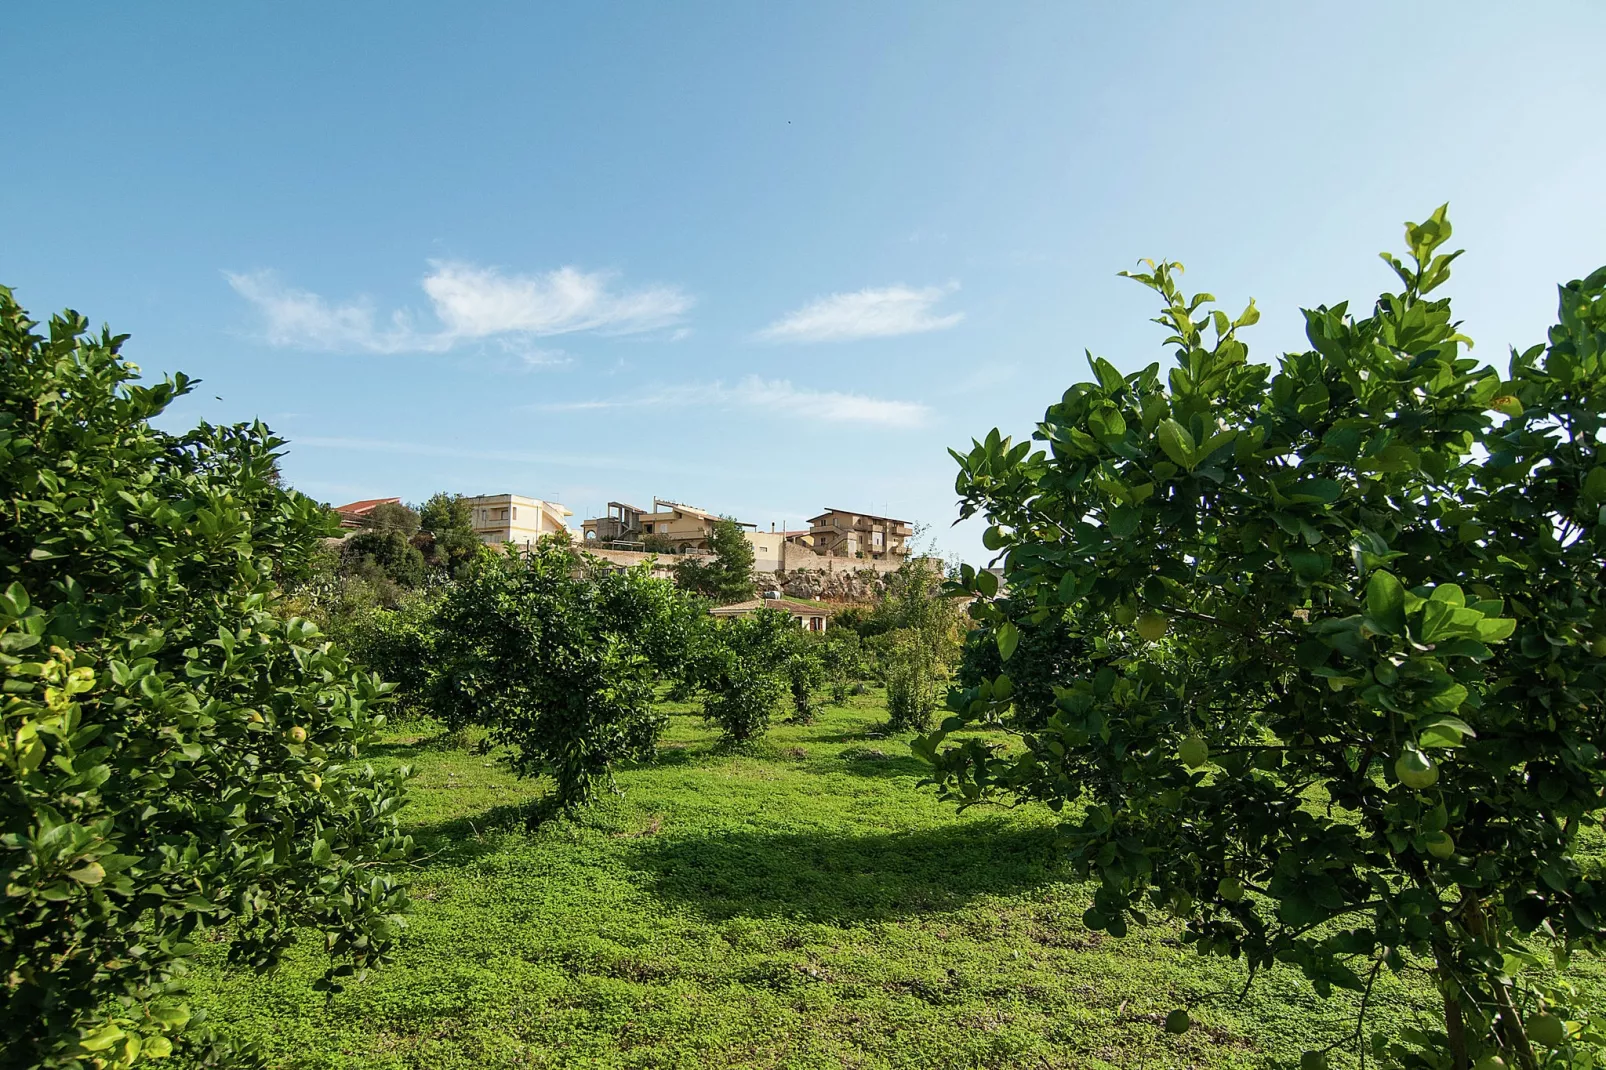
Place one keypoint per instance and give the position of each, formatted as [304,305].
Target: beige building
[769,550]
[839,533]
[622,525]
[501,518]
[685,527]
[810,616]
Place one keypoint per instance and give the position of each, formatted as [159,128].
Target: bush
[399,644]
[741,673]
[916,680]
[804,674]
[558,656]
[175,757]
[842,659]
[381,556]
[1369,579]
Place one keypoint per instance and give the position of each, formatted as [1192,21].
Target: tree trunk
[1454,1028]
[1513,1036]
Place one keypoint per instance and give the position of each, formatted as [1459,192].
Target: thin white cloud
[767,396]
[470,303]
[532,357]
[873,313]
[519,457]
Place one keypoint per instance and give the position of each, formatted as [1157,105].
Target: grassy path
[800,905]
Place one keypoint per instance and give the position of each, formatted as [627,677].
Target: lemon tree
[1339,700]
[178,756]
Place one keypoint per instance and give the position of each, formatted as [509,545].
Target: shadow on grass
[871,761]
[463,839]
[858,735]
[837,879]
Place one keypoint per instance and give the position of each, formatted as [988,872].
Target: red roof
[351,513]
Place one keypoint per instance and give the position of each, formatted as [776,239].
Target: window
[515,512]
[648,528]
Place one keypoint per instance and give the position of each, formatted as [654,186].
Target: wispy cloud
[532,357]
[767,396]
[522,457]
[874,313]
[469,303]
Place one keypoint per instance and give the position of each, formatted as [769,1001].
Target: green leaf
[1495,629]
[987,583]
[1448,592]
[1177,443]
[1443,731]
[1309,565]
[1385,602]
[1448,699]
[1325,491]
[102,1038]
[1595,483]
[1008,640]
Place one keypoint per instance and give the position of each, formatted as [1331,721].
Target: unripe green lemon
[1546,1029]
[1125,614]
[1177,1021]
[1230,889]
[298,734]
[1598,646]
[1490,1062]
[1194,751]
[316,781]
[1152,625]
[1440,845]
[1416,770]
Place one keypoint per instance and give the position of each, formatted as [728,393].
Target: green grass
[800,904]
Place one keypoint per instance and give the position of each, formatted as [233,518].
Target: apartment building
[840,533]
[685,527]
[502,518]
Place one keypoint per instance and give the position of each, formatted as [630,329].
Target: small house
[810,616]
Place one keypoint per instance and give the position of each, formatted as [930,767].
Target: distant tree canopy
[177,755]
[1337,629]
[729,577]
[392,516]
[446,533]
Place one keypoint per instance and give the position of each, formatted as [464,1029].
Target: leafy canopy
[446,529]
[729,577]
[176,756]
[558,655]
[742,670]
[1340,700]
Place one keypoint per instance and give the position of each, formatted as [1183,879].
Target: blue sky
[760,258]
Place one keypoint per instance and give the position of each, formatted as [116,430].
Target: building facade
[502,518]
[622,524]
[810,616]
[840,533]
